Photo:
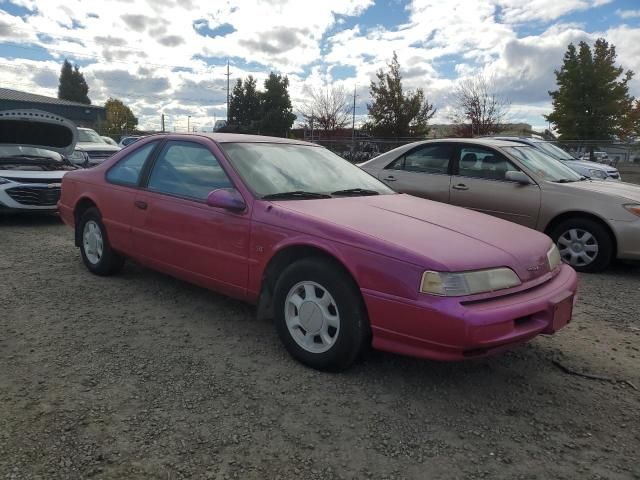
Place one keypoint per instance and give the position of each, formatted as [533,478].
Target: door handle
[390,178]
[460,186]
[140,204]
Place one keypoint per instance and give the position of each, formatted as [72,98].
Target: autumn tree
[327,109]
[478,109]
[120,119]
[394,112]
[72,85]
[592,101]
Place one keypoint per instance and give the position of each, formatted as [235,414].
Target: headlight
[468,283]
[601,174]
[3,181]
[78,156]
[633,208]
[553,257]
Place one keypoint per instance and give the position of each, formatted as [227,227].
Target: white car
[33,159]
[91,149]
[126,141]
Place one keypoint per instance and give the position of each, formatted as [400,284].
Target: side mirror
[227,198]
[518,177]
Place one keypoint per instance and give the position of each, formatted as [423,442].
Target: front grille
[99,154]
[35,196]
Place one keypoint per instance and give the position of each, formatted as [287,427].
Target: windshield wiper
[297,194]
[355,192]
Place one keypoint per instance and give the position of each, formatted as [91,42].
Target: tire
[102,261]
[570,234]
[332,331]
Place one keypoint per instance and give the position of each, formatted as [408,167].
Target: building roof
[18,96]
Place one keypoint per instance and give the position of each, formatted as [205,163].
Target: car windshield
[278,168]
[554,151]
[89,136]
[21,150]
[542,164]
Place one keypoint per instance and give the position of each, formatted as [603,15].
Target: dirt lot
[144,376]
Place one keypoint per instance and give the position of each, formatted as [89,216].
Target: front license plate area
[562,312]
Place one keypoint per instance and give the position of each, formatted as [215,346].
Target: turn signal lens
[635,209]
[553,257]
[459,284]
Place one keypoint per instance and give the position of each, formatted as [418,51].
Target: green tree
[120,119]
[394,112]
[592,101]
[72,85]
[276,112]
[244,105]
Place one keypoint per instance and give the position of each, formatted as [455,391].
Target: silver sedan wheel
[92,242]
[312,317]
[578,247]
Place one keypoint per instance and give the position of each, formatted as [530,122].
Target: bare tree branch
[478,109]
[328,109]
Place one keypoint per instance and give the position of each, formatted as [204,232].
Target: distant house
[79,113]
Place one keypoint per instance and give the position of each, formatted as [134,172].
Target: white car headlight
[4,180]
[78,156]
[601,174]
[458,284]
[553,258]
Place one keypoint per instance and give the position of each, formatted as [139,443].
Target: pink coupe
[337,258]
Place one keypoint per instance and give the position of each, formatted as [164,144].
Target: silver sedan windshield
[542,164]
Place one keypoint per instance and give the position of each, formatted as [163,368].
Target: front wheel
[97,254]
[584,244]
[319,314]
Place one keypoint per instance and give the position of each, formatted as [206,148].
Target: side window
[426,159]
[127,171]
[187,169]
[480,162]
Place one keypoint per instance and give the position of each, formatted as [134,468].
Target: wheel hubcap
[312,317]
[92,242]
[578,247]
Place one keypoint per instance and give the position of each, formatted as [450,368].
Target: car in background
[593,170]
[91,149]
[591,222]
[108,140]
[337,257]
[599,157]
[33,149]
[126,141]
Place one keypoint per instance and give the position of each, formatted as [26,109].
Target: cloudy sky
[170,55]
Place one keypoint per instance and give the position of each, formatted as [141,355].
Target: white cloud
[519,11]
[626,14]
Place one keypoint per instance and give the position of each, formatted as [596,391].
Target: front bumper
[454,329]
[628,239]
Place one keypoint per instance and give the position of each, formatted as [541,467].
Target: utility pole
[353,120]
[188,121]
[162,122]
[228,74]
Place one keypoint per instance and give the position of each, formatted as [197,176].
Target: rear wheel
[584,244]
[319,314]
[97,254]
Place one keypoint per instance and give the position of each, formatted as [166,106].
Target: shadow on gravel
[29,219]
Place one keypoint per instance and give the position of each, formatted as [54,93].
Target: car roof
[237,138]
[490,142]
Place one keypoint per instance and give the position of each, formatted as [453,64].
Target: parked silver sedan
[591,221]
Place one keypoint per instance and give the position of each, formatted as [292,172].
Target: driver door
[175,230]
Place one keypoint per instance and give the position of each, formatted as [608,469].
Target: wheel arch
[555,221]
[287,255]
[82,205]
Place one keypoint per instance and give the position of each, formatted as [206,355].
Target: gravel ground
[144,376]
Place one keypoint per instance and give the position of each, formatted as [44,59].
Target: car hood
[38,129]
[18,175]
[105,147]
[588,164]
[429,233]
[622,190]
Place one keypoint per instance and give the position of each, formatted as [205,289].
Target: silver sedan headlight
[78,157]
[553,258]
[4,180]
[599,174]
[458,284]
